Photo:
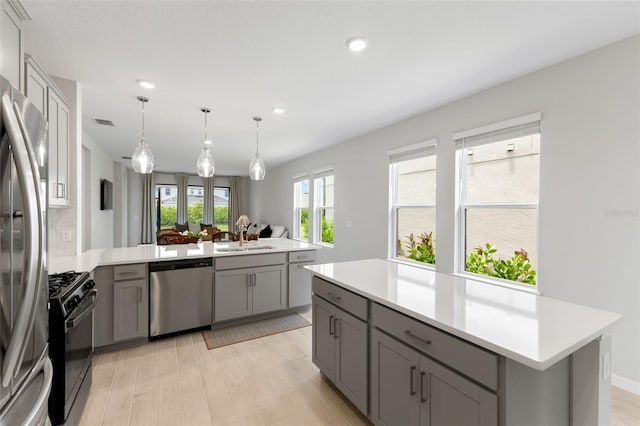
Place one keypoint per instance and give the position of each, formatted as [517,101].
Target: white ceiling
[243,58]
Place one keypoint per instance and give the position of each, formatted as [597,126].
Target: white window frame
[318,205]
[297,208]
[504,130]
[410,152]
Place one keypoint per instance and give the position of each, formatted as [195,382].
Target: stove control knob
[89,285]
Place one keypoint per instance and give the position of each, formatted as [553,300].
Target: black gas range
[72,297]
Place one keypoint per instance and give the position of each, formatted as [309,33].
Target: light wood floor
[267,381]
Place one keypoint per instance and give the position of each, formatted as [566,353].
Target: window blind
[320,173]
[300,178]
[510,129]
[411,152]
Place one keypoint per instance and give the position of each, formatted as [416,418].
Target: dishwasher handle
[180,264]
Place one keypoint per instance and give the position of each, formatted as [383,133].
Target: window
[221,207]
[301,209]
[323,207]
[195,201]
[412,175]
[499,180]
[166,206]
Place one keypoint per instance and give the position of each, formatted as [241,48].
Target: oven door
[77,349]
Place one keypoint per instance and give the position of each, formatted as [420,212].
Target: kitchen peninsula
[154,290]
[412,346]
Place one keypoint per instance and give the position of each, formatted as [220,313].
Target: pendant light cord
[205,126]
[257,131]
[142,121]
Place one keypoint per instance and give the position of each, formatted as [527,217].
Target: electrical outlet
[66,236]
[606,366]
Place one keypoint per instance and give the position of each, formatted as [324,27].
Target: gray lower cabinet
[130,309]
[122,311]
[411,389]
[103,312]
[339,349]
[248,291]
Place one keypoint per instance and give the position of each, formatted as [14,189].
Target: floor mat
[252,330]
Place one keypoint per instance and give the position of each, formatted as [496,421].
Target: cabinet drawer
[129,272]
[302,256]
[250,261]
[350,302]
[477,363]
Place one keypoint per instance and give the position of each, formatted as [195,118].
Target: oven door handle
[70,323]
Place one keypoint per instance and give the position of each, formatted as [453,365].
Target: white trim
[420,145]
[625,384]
[512,122]
[514,285]
[20,10]
[300,177]
[323,172]
[414,263]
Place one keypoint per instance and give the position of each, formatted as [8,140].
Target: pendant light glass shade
[205,164]
[142,158]
[256,168]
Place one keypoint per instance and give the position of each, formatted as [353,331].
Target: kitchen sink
[244,248]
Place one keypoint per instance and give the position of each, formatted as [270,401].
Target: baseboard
[626,384]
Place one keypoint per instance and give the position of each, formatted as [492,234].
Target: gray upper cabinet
[339,349]
[411,389]
[130,309]
[248,291]
[50,100]
[11,42]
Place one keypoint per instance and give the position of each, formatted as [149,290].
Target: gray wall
[102,223]
[588,226]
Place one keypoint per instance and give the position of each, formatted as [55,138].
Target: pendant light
[256,168]
[142,158]
[205,165]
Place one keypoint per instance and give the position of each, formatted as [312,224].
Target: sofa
[264,230]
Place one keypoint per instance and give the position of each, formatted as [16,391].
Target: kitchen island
[444,349]
[150,291]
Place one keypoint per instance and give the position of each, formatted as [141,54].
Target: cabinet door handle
[411,370]
[418,338]
[140,294]
[249,280]
[334,297]
[255,280]
[422,397]
[330,325]
[335,327]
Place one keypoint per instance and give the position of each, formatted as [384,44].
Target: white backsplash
[62,221]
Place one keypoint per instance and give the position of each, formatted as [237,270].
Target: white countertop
[90,259]
[533,330]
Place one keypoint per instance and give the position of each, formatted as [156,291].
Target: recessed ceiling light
[146,84]
[278,110]
[356,44]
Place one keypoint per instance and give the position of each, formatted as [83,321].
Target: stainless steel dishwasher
[180,295]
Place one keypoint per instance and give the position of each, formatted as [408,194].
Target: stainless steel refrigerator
[25,368]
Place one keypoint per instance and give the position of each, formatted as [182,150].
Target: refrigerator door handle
[33,162]
[43,398]
[32,246]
